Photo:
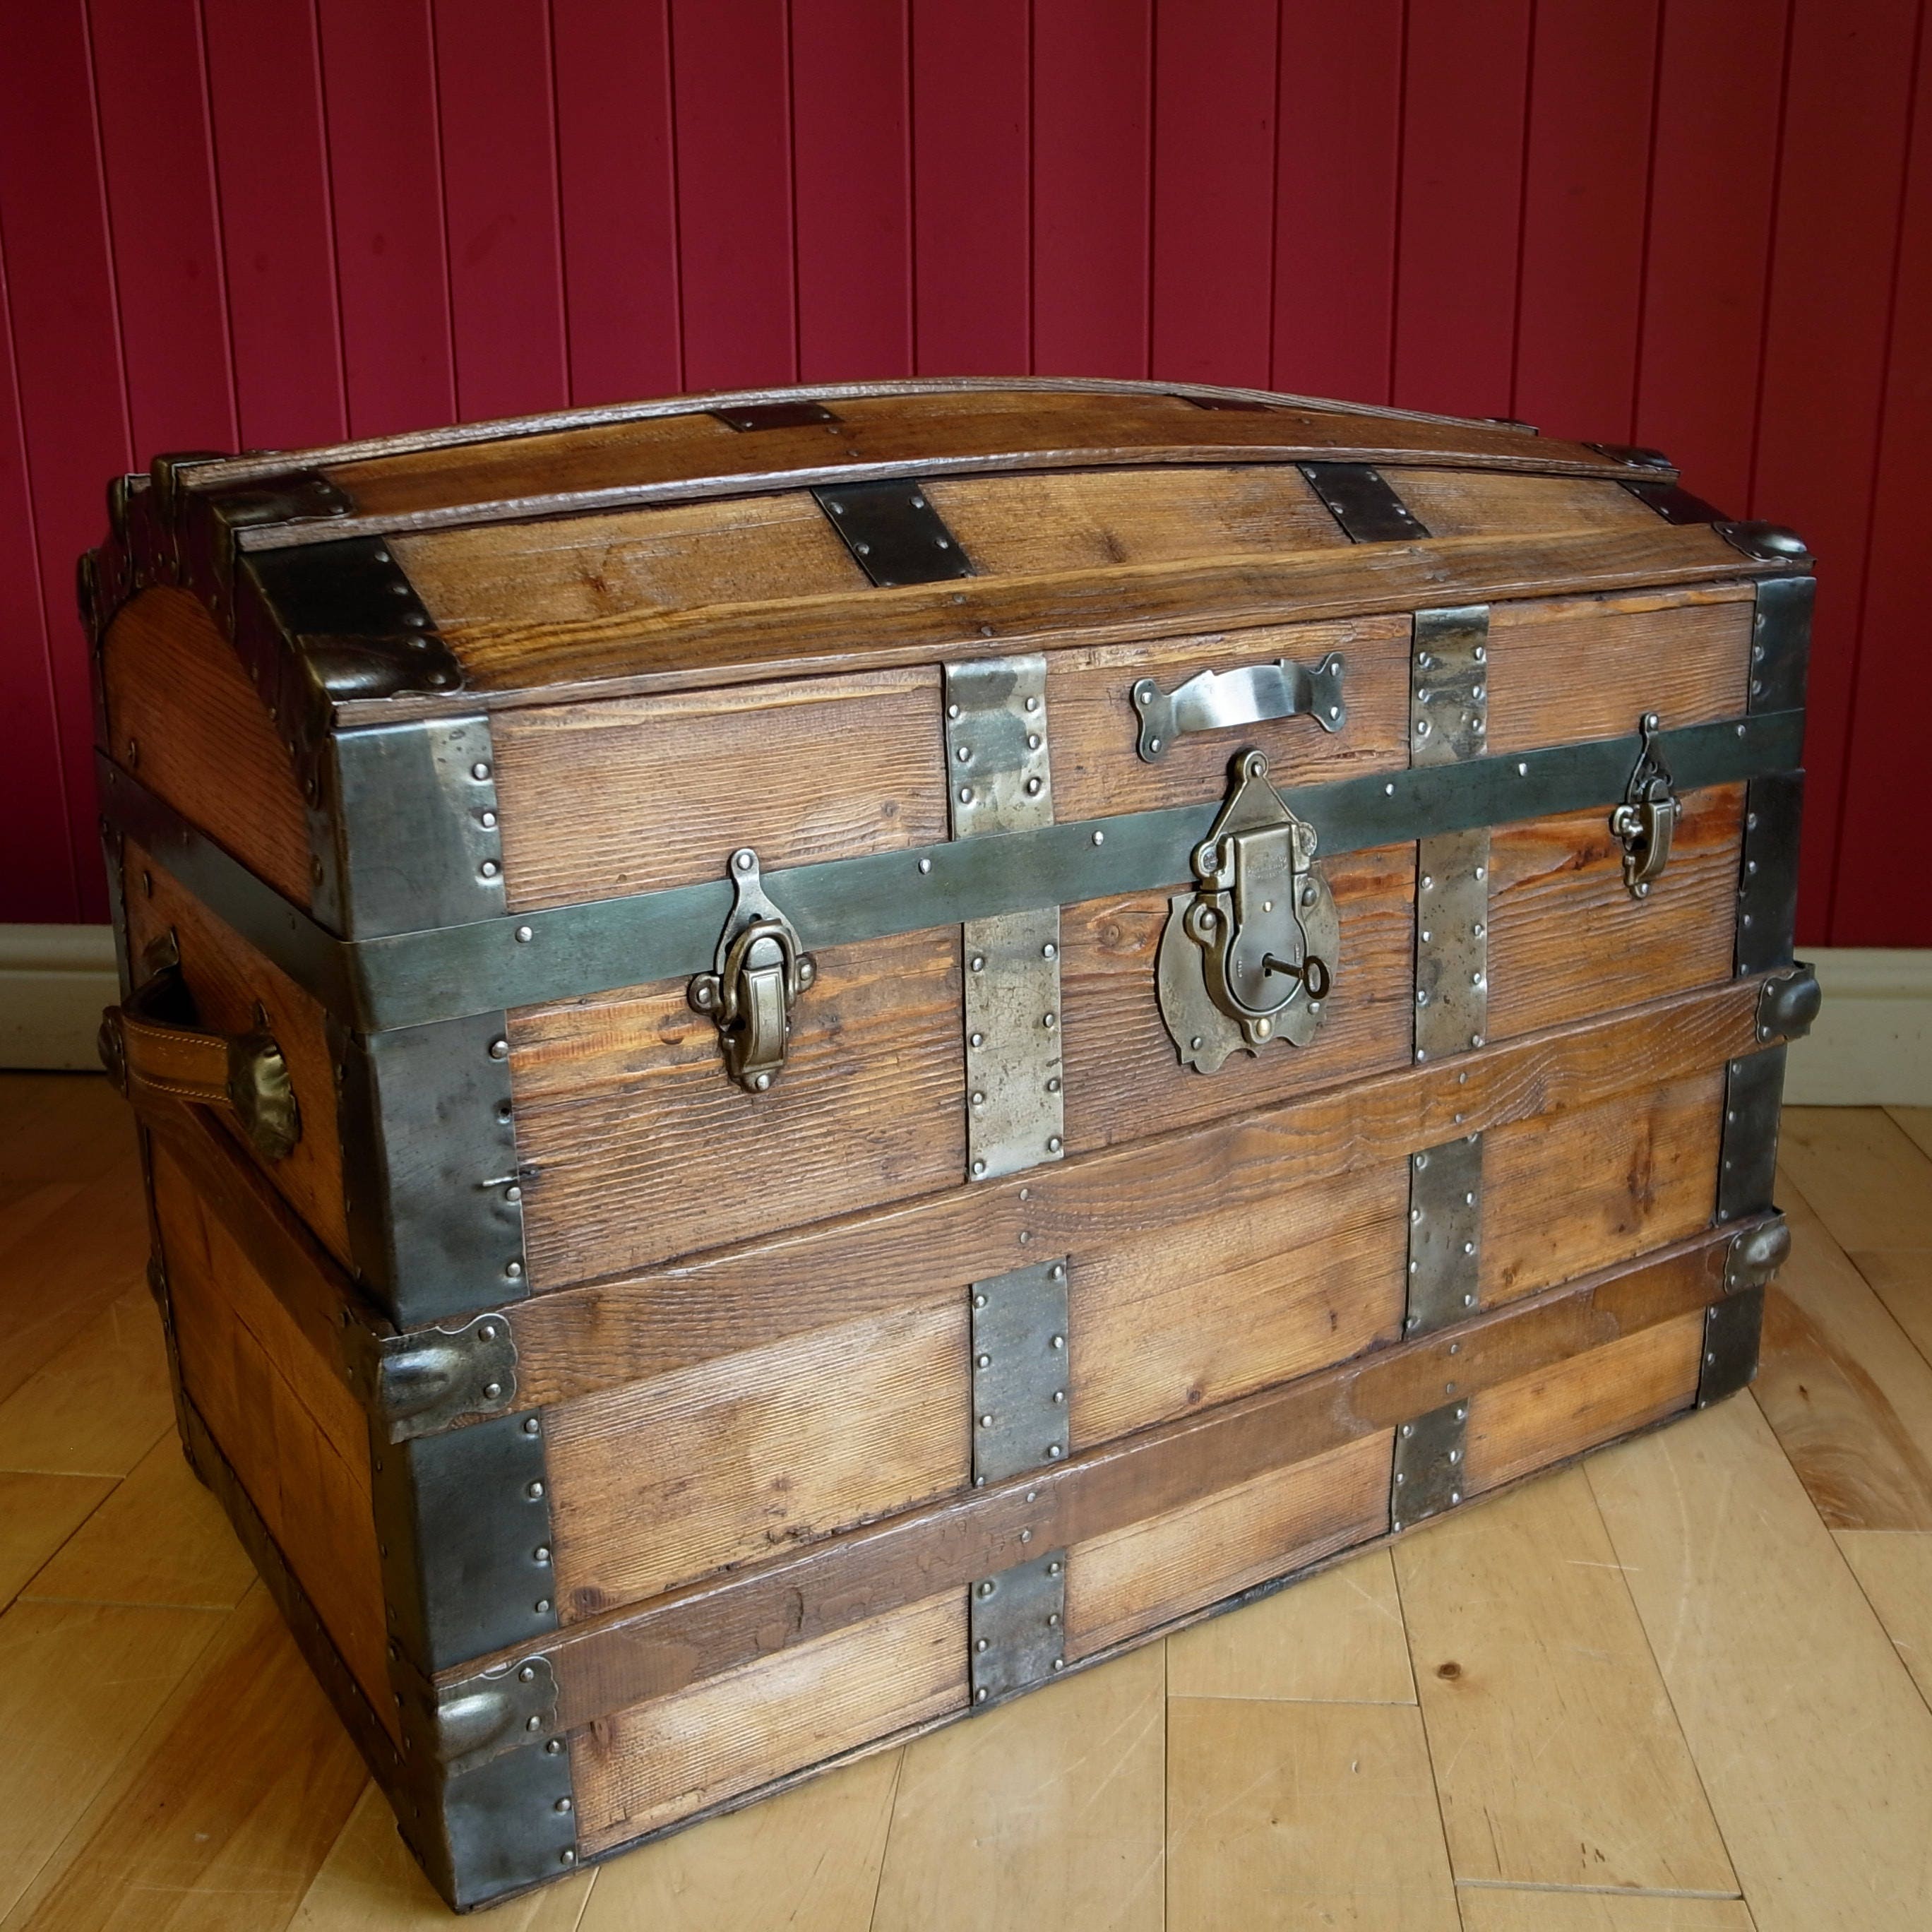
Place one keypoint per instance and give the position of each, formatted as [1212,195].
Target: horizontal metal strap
[569,952]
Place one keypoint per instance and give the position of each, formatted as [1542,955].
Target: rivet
[479,769]
[535,1491]
[953,711]
[1053,1144]
[1033,704]
[925,865]
[499,1049]
[527,1675]
[563,1804]
[1154,744]
[513,1269]
[1455,1496]
[1059,1271]
[566,1856]
[1033,741]
[979,1167]
[964,754]
[978,1099]
[979,1695]
[979,1301]
[1050,951]
[493,1390]
[1049,1021]
[1026,1536]
[1482,871]
[1475,1040]
[1054,1569]
[1194,1045]
[1032,787]
[554,1748]
[1053,1085]
[1054,1452]
[1099,838]
[1059,1341]
[965,794]
[979,962]
[986,1590]
[1389,789]
[986,1422]
[1408,1428]
[541,1554]
[1059,1663]
[488,1331]
[524,935]
[978,1040]
[983,1361]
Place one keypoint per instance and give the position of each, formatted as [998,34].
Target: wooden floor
[1682,1688]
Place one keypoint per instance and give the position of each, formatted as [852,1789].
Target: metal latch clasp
[761,969]
[1248,956]
[1645,821]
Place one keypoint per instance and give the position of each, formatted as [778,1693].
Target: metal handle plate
[1217,701]
[761,970]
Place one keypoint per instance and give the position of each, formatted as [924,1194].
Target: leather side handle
[151,1048]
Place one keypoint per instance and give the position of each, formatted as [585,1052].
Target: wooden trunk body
[625,1438]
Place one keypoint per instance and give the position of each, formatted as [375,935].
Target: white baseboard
[54,981]
[1872,1045]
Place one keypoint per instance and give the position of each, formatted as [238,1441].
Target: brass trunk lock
[1248,955]
[761,969]
[1647,817]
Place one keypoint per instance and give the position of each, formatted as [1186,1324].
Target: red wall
[1704,224]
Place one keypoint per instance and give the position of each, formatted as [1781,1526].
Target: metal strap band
[1445,1233]
[1733,1330]
[574,951]
[1359,497]
[1016,1627]
[774,415]
[1000,782]
[1747,1152]
[1427,1476]
[1020,1372]
[894,535]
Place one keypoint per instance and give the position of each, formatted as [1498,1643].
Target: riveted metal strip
[1016,1627]
[1448,725]
[1020,1374]
[1767,876]
[1360,498]
[1732,1329]
[1781,642]
[774,415]
[1427,1476]
[463,1526]
[894,535]
[1747,1152]
[1445,1233]
[999,782]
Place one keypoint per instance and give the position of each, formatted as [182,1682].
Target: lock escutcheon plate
[1248,956]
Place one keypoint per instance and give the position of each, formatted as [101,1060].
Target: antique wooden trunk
[807,1057]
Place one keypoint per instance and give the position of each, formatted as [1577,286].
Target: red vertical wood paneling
[265,82]
[1593,82]
[1833,252]
[493,85]
[40,880]
[1721,83]
[149,66]
[379,80]
[67,351]
[1879,871]
[852,171]
[619,194]
[972,217]
[1461,204]
[1092,79]
[1213,191]
[1340,144]
[731,69]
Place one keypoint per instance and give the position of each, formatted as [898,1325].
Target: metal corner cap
[1757,1253]
[1787,1004]
[1766,543]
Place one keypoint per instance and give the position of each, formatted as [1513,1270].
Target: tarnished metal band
[894,535]
[999,778]
[1767,909]
[1021,1377]
[1747,1151]
[1733,1330]
[1427,1477]
[574,951]
[1016,1627]
[1445,1233]
[1362,500]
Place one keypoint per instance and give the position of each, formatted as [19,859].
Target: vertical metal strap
[1427,1476]
[1747,1152]
[1016,1627]
[1020,1380]
[1774,806]
[1000,780]
[1449,723]
[1445,1233]
[1732,1329]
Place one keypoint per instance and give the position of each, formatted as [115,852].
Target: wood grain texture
[98,1404]
[1558,1761]
[503,656]
[293,1433]
[601,1335]
[1762,1634]
[1574,1404]
[1498,1909]
[201,738]
[229,980]
[38,1513]
[1559,913]
[1049,1808]
[870,1109]
[1862,1175]
[1170,1565]
[1318,1814]
[1894,1570]
[666,1759]
[1901,1278]
[1093,728]
[650,792]
[80,1683]
[754,1454]
[1475,502]
[1335,1637]
[1562,1196]
[1123,1077]
[1565,668]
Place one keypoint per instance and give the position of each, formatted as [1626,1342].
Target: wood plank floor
[1682,1688]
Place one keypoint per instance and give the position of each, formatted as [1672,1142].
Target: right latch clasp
[1645,821]
[762,968]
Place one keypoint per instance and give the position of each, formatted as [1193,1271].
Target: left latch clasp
[762,968]
[1643,824]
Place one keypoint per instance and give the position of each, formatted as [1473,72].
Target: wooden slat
[1558,1761]
[650,792]
[1894,1570]
[596,1336]
[870,1109]
[38,1513]
[1902,1280]
[505,654]
[1589,1186]
[662,1760]
[99,1404]
[659,1482]
[1861,1172]
[1762,1636]
[1166,1567]
[1558,912]
[1048,1809]
[1498,1909]
[1315,1814]
[1471,503]
[1335,1637]
[626,1655]
[183,716]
